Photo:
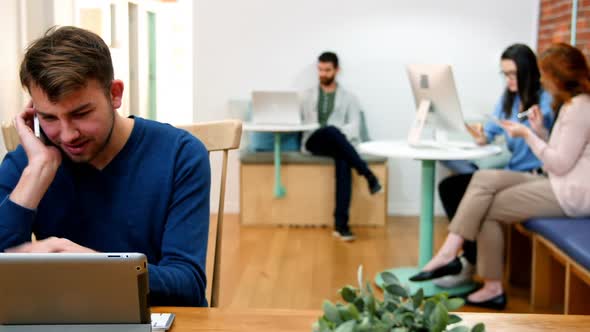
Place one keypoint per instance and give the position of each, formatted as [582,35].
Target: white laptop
[276,108]
[52,289]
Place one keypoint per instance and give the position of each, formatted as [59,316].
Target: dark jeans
[329,141]
[451,190]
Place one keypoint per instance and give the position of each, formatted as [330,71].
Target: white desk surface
[401,149]
[280,128]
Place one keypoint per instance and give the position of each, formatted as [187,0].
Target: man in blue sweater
[102,182]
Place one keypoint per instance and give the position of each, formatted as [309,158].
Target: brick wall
[555,20]
[583,26]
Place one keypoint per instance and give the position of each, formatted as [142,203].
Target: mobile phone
[39,131]
[524,115]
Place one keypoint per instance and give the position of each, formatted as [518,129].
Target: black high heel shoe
[497,302]
[453,267]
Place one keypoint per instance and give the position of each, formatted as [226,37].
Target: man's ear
[117,88]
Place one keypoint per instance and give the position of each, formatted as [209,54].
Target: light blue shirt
[523,159]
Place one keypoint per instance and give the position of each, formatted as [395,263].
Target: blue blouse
[523,159]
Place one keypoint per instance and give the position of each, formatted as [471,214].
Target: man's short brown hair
[64,60]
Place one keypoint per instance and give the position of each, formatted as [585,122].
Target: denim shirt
[523,159]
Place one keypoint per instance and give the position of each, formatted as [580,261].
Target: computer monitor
[438,107]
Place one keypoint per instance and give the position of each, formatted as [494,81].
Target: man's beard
[101,148]
[108,139]
[327,80]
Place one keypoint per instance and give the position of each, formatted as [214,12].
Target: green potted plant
[399,311]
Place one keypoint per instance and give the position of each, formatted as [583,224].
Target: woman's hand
[515,129]
[476,130]
[536,120]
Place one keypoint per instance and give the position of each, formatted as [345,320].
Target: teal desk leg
[279,188]
[426,243]
[427,212]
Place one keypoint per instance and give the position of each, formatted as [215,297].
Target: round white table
[278,129]
[428,156]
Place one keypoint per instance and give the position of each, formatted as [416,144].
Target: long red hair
[567,69]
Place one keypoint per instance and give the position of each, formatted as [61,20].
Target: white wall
[250,44]
[10,90]
[9,82]
[175,61]
[22,21]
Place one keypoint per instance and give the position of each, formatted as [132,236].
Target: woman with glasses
[496,197]
[523,92]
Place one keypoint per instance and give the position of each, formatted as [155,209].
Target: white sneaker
[344,234]
[463,277]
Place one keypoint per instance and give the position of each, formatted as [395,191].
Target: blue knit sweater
[152,198]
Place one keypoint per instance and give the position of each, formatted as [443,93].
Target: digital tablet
[97,288]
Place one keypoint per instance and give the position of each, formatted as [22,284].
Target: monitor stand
[415,133]
[439,138]
[78,328]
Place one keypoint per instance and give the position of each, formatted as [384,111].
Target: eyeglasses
[511,75]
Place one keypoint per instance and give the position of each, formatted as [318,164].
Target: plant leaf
[388,297]
[345,315]
[407,319]
[428,309]
[369,288]
[389,278]
[348,294]
[346,326]
[331,312]
[365,325]
[453,319]
[479,327]
[454,303]
[388,318]
[353,311]
[417,298]
[408,305]
[396,290]
[391,306]
[441,296]
[324,325]
[439,318]
[371,306]
[315,327]
[379,327]
[459,329]
[359,304]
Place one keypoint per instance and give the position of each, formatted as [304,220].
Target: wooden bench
[558,282]
[309,181]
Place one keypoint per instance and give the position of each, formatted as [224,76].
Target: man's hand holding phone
[37,148]
[37,130]
[43,162]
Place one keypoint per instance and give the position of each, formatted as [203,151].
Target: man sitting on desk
[338,113]
[103,182]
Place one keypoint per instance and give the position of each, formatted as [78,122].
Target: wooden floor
[297,268]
